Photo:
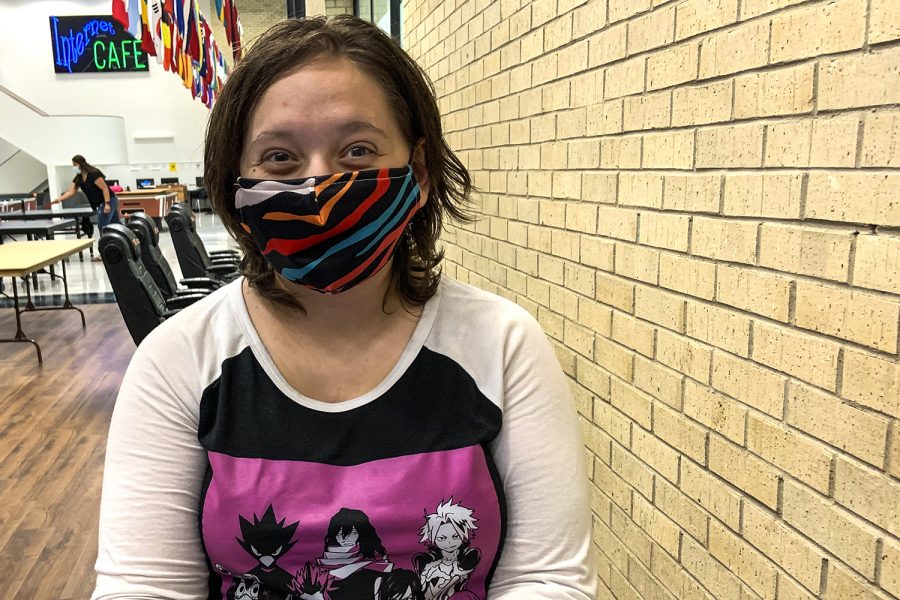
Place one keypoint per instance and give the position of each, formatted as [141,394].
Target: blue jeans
[103,218]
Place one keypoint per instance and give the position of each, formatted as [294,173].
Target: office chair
[193,258]
[144,227]
[140,300]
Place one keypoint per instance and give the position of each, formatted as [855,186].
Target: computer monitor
[112,182]
[143,184]
[199,181]
[166,180]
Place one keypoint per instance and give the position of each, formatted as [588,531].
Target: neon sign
[94,44]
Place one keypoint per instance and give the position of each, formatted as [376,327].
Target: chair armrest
[170,313]
[189,292]
[180,301]
[233,253]
[201,283]
[224,260]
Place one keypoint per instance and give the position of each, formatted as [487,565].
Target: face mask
[76,170]
[333,232]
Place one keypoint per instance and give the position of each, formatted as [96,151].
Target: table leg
[52,271]
[20,335]
[30,238]
[29,305]
[67,303]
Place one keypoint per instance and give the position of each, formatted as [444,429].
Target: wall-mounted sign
[94,44]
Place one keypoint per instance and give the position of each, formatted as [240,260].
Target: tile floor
[88,283]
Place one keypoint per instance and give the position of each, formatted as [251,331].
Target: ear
[420,169]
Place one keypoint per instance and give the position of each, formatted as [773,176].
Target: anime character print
[445,568]
[267,540]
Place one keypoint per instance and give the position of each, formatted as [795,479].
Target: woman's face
[447,538]
[347,539]
[326,117]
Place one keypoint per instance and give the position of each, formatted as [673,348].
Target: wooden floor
[53,425]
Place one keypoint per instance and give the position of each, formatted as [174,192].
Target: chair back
[189,248]
[144,227]
[140,300]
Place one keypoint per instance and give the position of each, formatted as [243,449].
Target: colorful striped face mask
[332,232]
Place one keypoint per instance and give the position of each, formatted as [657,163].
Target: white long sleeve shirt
[223,482]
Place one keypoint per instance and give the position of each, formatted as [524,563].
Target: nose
[267,561]
[319,165]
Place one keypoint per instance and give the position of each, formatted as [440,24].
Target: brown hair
[83,164]
[297,42]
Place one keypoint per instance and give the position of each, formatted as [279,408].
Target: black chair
[193,258]
[140,300]
[144,227]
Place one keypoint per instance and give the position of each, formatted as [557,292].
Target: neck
[450,554]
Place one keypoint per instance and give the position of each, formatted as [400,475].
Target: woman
[92,182]
[341,370]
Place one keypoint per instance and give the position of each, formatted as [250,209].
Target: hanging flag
[154,18]
[134,18]
[120,12]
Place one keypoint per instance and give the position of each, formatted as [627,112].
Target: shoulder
[95,174]
[464,304]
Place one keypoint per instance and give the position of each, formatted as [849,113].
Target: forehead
[322,95]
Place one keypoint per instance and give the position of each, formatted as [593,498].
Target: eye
[360,152]
[277,156]
[255,551]
[277,551]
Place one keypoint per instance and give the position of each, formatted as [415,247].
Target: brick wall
[700,202]
[338,7]
[258,15]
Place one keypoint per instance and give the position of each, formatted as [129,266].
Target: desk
[33,215]
[13,204]
[156,203]
[20,259]
[39,227]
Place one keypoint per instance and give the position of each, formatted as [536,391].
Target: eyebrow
[346,128]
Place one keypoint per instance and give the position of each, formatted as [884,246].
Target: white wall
[153,101]
[20,172]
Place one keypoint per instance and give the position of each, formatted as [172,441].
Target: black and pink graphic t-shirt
[460,476]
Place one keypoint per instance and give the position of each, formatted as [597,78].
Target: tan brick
[743,470]
[680,509]
[588,18]
[805,459]
[730,146]
[683,355]
[870,198]
[622,9]
[664,230]
[783,91]
[755,291]
[587,90]
[835,529]
[701,104]
[658,380]
[860,80]
[579,339]
[710,493]
[660,528]
[790,590]
[634,403]
[597,252]
[881,139]
[742,560]
[688,275]
[614,358]
[693,193]
[679,432]
[753,8]
[659,307]
[651,30]
[877,263]
[637,262]
[719,327]
[595,316]
[635,334]
[640,189]
[650,111]
[785,547]
[566,185]
[824,416]
[714,577]
[884,22]
[749,383]
[646,587]
[805,250]
[660,457]
[592,378]
[611,421]
[619,223]
[788,144]
[894,450]
[868,493]
[625,78]
[672,66]
[890,567]
[615,291]
[633,471]
[724,239]
[806,357]
[859,317]
[834,141]
[844,585]
[675,578]
[819,29]
[612,485]
[607,45]
[774,195]
[872,381]
[700,16]
[620,153]
[581,217]
[599,187]
[670,150]
[717,412]
[551,269]
[734,50]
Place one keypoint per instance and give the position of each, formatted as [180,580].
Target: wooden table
[44,213]
[20,259]
[40,227]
